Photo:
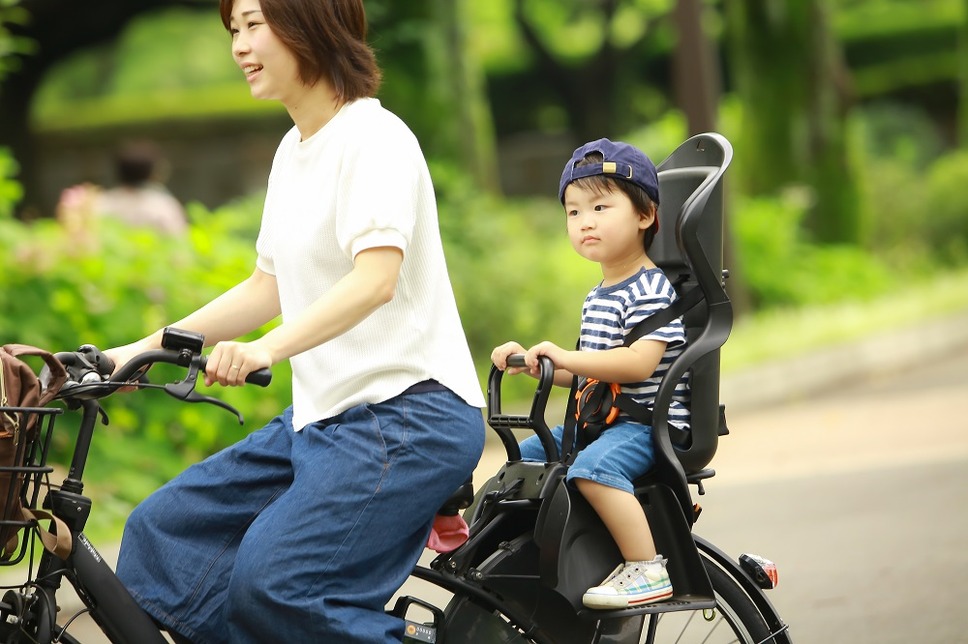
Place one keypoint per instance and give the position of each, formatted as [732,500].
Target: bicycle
[534,546]
[28,612]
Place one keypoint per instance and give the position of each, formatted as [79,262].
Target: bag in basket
[20,387]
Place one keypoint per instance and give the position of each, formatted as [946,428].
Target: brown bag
[20,387]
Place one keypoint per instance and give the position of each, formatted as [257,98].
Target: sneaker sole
[625,601]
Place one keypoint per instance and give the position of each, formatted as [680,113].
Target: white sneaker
[632,583]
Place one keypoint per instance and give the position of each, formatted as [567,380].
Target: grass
[778,334]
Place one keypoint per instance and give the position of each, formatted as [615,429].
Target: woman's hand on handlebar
[230,362]
[123,354]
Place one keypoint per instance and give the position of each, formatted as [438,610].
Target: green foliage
[105,284]
[514,271]
[945,215]
[141,78]
[784,269]
[11,192]
[11,46]
[918,213]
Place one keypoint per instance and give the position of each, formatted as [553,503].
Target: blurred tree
[963,80]
[56,29]
[790,76]
[593,55]
[698,87]
[695,69]
[470,138]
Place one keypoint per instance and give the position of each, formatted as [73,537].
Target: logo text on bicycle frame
[90,548]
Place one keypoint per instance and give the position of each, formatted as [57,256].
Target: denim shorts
[621,454]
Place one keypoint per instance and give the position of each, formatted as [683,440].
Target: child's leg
[622,514]
[603,472]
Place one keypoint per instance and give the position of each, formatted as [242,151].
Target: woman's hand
[230,362]
[123,354]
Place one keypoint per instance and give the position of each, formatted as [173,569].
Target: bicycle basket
[23,472]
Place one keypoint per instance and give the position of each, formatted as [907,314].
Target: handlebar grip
[516,360]
[260,378]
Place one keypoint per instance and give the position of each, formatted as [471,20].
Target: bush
[944,215]
[515,274]
[783,269]
[11,192]
[107,285]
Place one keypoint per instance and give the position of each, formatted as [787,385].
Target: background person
[140,199]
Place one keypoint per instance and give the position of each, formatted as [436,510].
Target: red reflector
[763,571]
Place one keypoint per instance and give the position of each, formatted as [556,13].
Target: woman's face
[270,68]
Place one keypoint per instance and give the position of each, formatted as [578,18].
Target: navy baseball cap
[621,161]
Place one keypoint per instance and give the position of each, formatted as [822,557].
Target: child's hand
[551,350]
[499,356]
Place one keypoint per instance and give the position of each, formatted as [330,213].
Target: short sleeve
[378,192]
[652,294]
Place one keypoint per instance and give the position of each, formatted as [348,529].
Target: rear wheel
[734,619]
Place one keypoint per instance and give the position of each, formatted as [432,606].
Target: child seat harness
[595,405]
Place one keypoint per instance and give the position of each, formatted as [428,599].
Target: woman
[304,530]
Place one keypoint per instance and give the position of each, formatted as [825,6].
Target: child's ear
[647,218]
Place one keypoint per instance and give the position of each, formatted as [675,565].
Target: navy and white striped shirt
[609,315]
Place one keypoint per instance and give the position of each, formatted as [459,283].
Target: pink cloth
[447,533]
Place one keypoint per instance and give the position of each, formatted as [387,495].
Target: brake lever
[195,397]
[185,389]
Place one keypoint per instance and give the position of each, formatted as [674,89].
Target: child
[610,193]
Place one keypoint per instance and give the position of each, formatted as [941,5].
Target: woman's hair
[328,39]
[601,184]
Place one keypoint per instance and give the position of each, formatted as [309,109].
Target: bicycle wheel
[735,618]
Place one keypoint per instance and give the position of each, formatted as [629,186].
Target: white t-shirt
[362,182]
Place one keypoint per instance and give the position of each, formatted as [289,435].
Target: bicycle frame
[109,603]
[34,608]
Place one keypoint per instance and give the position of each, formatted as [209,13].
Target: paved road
[859,495]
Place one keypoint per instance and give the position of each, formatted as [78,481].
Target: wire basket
[23,472]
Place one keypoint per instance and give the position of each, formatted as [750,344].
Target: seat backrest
[689,249]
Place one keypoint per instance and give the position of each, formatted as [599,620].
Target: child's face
[605,227]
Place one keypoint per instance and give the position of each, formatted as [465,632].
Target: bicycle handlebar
[502,423]
[92,374]
[262,377]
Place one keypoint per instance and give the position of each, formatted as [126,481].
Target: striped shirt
[609,315]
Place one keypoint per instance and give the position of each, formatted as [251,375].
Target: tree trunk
[698,89]
[963,78]
[471,140]
[792,82]
[695,73]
